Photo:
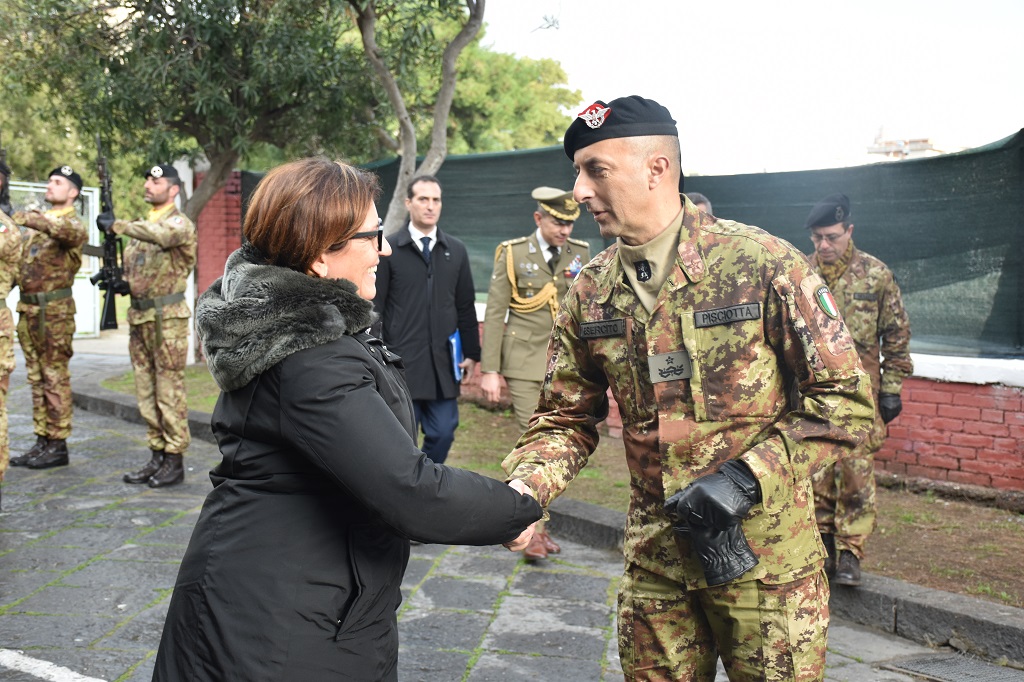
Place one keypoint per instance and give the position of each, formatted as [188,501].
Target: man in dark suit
[424,295]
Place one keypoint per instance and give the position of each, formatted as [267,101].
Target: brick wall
[220,231]
[961,433]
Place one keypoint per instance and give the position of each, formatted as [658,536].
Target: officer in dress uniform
[531,275]
[158,258]
[869,299]
[51,255]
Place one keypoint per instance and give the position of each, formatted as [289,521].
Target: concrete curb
[921,614]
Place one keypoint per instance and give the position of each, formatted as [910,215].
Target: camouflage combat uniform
[700,380]
[871,304]
[10,262]
[157,262]
[51,256]
[524,286]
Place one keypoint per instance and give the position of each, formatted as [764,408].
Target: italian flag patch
[825,301]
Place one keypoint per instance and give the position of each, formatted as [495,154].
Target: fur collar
[256,315]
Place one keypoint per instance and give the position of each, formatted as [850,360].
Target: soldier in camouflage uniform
[531,276]
[870,301]
[697,325]
[10,263]
[158,259]
[51,255]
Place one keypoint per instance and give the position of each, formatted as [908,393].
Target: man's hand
[524,538]
[467,365]
[490,384]
[889,406]
[717,500]
[105,221]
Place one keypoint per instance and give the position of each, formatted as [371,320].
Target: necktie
[426,249]
[553,261]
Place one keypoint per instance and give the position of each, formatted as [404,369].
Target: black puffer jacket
[294,567]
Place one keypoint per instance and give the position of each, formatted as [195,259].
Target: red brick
[898,431]
[926,472]
[992,416]
[997,430]
[994,469]
[929,436]
[970,478]
[923,409]
[942,424]
[906,457]
[955,451]
[897,444]
[958,387]
[1017,432]
[1008,484]
[895,468]
[938,461]
[959,412]
[909,420]
[1007,445]
[931,396]
[971,440]
[975,400]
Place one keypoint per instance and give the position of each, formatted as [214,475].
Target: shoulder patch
[823,297]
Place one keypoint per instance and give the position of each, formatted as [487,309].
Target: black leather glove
[889,406]
[717,500]
[105,221]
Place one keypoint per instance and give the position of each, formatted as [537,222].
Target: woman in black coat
[294,567]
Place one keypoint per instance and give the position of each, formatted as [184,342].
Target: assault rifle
[110,278]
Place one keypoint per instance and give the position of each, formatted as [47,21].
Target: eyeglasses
[830,238]
[378,233]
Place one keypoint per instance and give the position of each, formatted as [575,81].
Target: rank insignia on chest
[528,269]
[643,270]
[574,267]
[603,329]
[670,366]
[823,297]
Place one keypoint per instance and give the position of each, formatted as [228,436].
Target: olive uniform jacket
[516,348]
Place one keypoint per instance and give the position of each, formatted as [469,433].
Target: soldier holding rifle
[158,259]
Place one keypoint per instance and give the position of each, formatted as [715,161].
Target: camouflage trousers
[844,499]
[768,633]
[160,382]
[6,367]
[46,362]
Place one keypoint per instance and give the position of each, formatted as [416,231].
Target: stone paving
[87,564]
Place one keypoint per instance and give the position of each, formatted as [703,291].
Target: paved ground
[87,564]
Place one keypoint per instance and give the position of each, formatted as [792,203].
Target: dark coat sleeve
[333,414]
[465,303]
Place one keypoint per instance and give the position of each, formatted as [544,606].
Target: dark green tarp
[950,226]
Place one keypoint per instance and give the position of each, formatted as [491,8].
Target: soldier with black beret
[51,256]
[697,326]
[158,258]
[869,299]
[531,275]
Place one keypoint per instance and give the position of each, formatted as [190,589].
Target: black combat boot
[830,554]
[37,449]
[55,454]
[150,468]
[848,571]
[171,471]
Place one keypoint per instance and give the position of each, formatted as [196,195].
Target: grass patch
[200,389]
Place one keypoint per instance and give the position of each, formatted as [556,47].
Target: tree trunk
[221,165]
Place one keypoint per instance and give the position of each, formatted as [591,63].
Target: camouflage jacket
[51,255]
[701,380]
[870,300]
[158,259]
[10,262]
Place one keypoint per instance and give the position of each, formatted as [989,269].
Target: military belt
[158,303]
[40,299]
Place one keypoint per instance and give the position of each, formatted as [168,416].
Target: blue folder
[455,346]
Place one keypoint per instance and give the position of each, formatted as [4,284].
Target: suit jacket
[421,306]
[517,348]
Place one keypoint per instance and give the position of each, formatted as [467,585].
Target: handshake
[708,513]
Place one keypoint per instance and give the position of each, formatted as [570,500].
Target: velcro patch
[733,313]
[603,328]
[670,366]
[865,296]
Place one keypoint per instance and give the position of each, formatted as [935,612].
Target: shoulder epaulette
[508,242]
[580,242]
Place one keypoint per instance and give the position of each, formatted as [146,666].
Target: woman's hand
[524,538]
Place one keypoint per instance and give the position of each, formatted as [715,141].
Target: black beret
[835,208]
[163,170]
[631,116]
[67,172]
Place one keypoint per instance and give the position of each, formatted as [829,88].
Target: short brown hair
[303,207]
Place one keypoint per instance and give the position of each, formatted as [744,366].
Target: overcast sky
[757,85]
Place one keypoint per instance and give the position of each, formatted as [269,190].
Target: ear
[537,217]
[658,167]
[851,229]
[319,267]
